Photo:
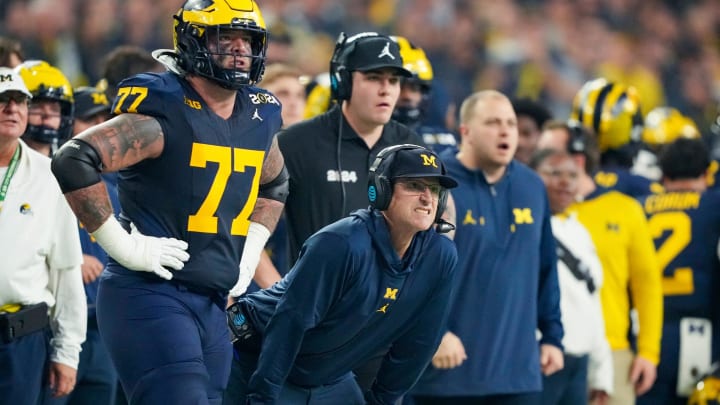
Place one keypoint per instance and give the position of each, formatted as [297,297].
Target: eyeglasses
[557,174]
[418,187]
[18,98]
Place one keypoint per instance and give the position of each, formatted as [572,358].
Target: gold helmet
[416,62]
[611,110]
[319,96]
[201,21]
[663,125]
[707,390]
[46,82]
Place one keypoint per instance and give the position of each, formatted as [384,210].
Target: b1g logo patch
[263,98]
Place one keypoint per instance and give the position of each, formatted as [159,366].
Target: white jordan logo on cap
[256,116]
[386,52]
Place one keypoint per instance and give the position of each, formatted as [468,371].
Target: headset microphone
[443,226]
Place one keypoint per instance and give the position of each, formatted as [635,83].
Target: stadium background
[669,50]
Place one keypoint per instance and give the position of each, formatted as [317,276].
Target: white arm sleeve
[255,241]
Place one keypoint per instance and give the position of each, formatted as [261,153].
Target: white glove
[139,252]
[255,241]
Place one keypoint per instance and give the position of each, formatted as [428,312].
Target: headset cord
[339,166]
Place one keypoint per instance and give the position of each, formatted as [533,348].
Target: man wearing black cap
[328,156]
[377,281]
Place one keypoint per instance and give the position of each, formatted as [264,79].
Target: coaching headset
[577,138]
[380,186]
[340,79]
[364,51]
[340,75]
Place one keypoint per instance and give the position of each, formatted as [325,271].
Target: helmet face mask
[205,32]
[415,61]
[411,104]
[47,83]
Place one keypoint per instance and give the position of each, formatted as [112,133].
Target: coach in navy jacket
[378,281]
[507,286]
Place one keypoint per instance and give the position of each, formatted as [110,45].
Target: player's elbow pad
[278,189]
[76,165]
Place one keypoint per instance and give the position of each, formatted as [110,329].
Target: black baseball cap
[419,163]
[90,101]
[373,51]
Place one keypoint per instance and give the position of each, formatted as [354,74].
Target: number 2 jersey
[204,185]
[685,226]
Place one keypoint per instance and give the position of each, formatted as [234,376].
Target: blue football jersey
[204,185]
[686,231]
[619,179]
[713,174]
[438,138]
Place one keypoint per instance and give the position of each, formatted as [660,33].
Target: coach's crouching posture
[378,281]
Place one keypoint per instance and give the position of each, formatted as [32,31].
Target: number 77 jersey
[204,185]
[685,226]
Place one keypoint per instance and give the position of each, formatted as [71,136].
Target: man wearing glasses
[42,305]
[378,281]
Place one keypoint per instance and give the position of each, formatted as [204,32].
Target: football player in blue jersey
[612,111]
[201,186]
[685,224]
[378,281]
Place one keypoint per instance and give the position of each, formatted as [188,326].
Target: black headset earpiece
[340,80]
[577,143]
[380,186]
[340,74]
